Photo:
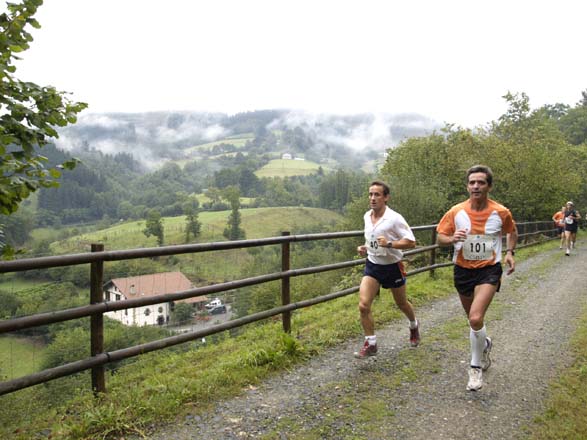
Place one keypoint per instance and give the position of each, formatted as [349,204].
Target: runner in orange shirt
[475,227]
[559,223]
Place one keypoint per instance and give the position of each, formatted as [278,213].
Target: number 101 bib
[479,247]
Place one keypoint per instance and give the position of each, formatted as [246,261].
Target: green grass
[206,267]
[286,168]
[238,142]
[19,356]
[10,283]
[566,409]
[257,223]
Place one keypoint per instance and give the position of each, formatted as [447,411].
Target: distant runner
[475,229]
[572,217]
[559,223]
[386,232]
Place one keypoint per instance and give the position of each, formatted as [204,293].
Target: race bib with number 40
[374,248]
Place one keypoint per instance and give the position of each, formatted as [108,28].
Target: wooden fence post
[97,321]
[285,290]
[433,253]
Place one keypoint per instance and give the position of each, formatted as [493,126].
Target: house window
[147,312]
[160,309]
[107,296]
[117,297]
[125,312]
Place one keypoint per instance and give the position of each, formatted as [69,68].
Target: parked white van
[214,303]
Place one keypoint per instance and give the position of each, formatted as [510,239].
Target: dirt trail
[535,313]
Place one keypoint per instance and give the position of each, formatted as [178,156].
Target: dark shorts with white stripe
[466,280]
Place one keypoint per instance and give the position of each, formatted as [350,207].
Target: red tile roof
[155,284]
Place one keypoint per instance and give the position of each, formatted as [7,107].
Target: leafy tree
[214,194]
[182,312]
[574,125]
[154,226]
[9,304]
[29,114]
[193,225]
[233,231]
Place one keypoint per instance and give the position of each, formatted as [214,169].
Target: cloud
[358,132]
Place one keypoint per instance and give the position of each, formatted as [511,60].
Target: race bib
[373,247]
[569,220]
[479,247]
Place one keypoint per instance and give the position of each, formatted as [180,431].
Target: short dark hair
[382,184]
[481,169]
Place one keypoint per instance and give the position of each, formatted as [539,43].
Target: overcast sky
[449,60]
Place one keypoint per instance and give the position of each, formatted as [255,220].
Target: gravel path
[529,321]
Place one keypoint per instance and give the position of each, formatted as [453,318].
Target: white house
[119,289]
[286,156]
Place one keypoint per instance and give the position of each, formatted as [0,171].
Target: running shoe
[415,336]
[475,379]
[486,358]
[366,351]
[568,252]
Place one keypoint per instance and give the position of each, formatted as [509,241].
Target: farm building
[119,289]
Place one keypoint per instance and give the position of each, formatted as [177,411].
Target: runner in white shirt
[386,234]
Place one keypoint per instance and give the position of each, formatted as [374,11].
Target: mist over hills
[155,137]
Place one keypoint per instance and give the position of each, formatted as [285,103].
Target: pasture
[215,266]
[20,356]
[287,168]
[238,142]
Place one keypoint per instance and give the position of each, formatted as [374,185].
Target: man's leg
[399,296]
[476,306]
[367,291]
[567,242]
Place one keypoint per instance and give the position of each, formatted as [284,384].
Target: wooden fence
[530,233]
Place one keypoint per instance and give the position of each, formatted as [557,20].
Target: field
[236,141]
[287,167]
[257,223]
[10,283]
[20,356]
[212,266]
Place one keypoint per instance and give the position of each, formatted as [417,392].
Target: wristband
[389,245]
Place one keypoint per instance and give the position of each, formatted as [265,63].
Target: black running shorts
[388,275]
[466,280]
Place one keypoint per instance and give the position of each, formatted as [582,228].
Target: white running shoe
[486,358]
[475,379]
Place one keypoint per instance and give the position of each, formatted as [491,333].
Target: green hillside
[287,167]
[211,266]
[257,223]
[236,141]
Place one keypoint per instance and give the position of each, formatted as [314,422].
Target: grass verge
[565,416]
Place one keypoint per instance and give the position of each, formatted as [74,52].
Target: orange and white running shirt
[484,233]
[559,219]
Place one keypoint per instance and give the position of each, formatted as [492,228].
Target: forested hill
[150,137]
[170,162]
